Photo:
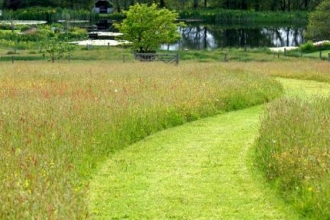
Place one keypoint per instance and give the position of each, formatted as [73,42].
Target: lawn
[200,170]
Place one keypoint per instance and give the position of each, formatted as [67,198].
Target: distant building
[103,7]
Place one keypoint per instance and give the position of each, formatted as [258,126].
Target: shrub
[307,47]
[310,47]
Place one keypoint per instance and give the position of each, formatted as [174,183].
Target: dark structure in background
[103,7]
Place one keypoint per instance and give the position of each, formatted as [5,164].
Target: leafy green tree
[147,27]
[319,22]
[57,49]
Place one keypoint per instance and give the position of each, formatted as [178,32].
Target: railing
[166,58]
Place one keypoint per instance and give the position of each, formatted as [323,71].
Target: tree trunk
[195,4]
[162,4]
[306,4]
[243,5]
[283,5]
[257,5]
[118,6]
[227,4]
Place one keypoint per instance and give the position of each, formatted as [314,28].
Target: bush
[5,27]
[307,47]
[310,47]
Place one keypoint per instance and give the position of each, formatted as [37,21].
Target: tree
[57,49]
[319,22]
[147,27]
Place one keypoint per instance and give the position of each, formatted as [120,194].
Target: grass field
[119,54]
[202,170]
[59,121]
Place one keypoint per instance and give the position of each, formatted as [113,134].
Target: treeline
[68,4]
[257,5]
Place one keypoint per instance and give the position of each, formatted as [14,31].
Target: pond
[212,36]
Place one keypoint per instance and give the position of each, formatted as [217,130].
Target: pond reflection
[206,36]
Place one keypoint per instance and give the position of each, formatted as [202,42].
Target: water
[213,36]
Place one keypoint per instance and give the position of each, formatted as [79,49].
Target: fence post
[12,59]
[321,55]
[177,59]
[328,56]
[284,51]
[225,58]
[124,58]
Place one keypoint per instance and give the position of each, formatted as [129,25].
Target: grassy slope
[199,170]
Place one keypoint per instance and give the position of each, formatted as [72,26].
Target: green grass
[324,55]
[196,171]
[200,170]
[59,121]
[293,147]
[115,54]
[304,89]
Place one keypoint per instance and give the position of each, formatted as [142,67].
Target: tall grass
[293,147]
[304,69]
[59,121]
[293,152]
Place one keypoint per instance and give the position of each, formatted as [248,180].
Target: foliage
[147,27]
[257,5]
[234,16]
[307,47]
[37,36]
[310,47]
[49,14]
[293,152]
[319,20]
[59,121]
[71,4]
[58,49]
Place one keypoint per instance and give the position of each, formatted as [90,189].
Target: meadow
[292,150]
[59,122]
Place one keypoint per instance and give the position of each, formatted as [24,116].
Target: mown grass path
[201,170]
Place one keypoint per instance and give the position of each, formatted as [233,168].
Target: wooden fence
[166,58]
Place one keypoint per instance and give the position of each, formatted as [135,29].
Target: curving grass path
[201,170]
